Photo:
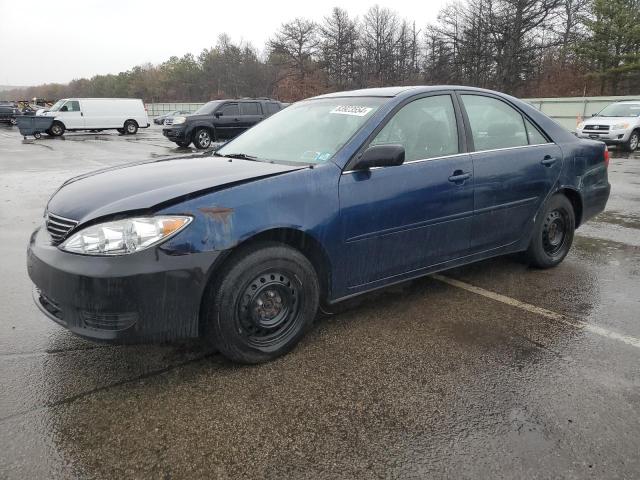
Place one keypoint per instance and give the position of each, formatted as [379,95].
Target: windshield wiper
[240,156]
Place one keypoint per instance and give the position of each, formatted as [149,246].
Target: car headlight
[179,120]
[122,237]
[620,126]
[580,126]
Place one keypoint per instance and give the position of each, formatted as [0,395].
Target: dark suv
[220,120]
[8,113]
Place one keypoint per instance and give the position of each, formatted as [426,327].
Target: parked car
[220,120]
[160,119]
[335,196]
[8,113]
[125,115]
[616,124]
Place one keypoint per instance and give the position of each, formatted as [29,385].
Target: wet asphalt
[424,380]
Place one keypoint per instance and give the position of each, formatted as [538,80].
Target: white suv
[616,124]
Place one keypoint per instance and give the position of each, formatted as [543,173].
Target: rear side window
[426,128]
[272,107]
[250,108]
[535,137]
[230,109]
[494,124]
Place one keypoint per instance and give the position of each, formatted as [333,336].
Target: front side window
[494,124]
[272,107]
[71,106]
[307,132]
[426,128]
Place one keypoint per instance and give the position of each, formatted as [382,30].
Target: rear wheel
[130,127]
[632,144]
[202,138]
[261,304]
[13,121]
[553,233]
[56,129]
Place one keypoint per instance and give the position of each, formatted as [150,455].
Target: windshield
[57,105]
[621,110]
[307,132]
[207,108]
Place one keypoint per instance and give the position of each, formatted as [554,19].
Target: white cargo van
[123,114]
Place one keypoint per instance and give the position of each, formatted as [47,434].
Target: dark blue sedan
[332,197]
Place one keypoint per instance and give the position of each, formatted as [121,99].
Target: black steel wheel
[202,138]
[553,233]
[261,303]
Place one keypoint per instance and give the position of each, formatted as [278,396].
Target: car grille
[58,227]
[168,121]
[604,128]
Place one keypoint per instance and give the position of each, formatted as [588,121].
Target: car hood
[610,120]
[144,185]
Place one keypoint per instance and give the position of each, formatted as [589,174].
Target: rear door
[398,220]
[515,167]
[250,114]
[71,115]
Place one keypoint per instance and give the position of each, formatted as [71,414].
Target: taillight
[606,156]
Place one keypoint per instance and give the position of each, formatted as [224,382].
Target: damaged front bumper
[148,296]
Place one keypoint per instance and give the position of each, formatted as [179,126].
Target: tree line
[522,47]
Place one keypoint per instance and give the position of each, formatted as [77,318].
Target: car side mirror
[594,114]
[218,114]
[64,109]
[380,156]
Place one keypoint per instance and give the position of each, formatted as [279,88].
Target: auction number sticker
[351,110]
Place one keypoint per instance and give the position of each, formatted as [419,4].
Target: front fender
[304,200]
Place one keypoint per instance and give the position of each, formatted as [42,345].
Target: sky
[41,42]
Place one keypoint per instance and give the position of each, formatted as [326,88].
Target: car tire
[130,127]
[202,138]
[261,304]
[553,233]
[184,144]
[57,129]
[13,121]
[632,144]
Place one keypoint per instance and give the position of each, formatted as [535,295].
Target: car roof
[389,92]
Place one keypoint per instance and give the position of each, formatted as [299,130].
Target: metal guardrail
[565,110]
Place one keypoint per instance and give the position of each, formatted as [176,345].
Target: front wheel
[632,144]
[553,233]
[261,304]
[56,129]
[202,138]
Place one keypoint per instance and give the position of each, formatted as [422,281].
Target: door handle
[459,176]
[548,160]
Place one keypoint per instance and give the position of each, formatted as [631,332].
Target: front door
[228,123]
[71,115]
[515,167]
[399,220]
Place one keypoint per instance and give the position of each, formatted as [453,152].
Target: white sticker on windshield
[351,110]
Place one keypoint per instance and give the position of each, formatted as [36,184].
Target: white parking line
[558,317]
